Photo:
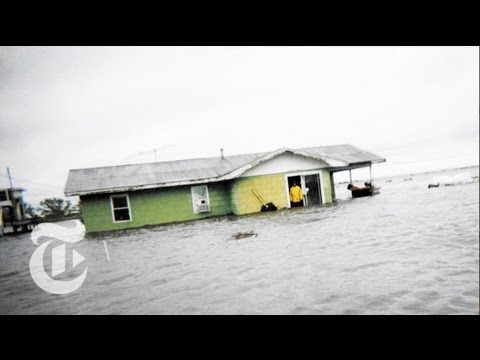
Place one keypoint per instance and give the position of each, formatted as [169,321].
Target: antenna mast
[9,177]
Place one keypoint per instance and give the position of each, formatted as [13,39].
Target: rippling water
[408,250]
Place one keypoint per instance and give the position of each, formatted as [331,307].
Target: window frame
[120,208]
[193,200]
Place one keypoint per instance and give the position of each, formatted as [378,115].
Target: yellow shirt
[296,193]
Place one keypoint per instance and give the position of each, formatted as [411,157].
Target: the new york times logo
[59,282]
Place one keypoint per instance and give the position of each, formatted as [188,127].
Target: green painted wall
[271,188]
[152,207]
[332,184]
[327,186]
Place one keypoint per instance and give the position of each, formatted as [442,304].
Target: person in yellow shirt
[296,195]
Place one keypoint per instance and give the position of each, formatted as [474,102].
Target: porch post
[350,171]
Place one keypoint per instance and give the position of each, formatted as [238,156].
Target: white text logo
[68,234]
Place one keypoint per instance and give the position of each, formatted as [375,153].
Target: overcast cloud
[72,107]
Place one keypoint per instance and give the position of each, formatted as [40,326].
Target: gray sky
[72,107]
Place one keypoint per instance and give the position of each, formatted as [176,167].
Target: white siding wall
[285,163]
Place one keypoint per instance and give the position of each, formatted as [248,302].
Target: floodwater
[408,250]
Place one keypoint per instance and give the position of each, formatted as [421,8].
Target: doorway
[298,181]
[311,188]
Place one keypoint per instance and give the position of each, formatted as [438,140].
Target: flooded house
[128,196]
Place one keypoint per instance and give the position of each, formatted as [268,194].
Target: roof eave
[357,165]
[140,187]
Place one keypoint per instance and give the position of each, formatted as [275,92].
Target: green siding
[332,185]
[327,186]
[153,207]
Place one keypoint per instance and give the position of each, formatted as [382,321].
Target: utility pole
[9,177]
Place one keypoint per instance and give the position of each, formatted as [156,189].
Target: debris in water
[243,235]
[458,179]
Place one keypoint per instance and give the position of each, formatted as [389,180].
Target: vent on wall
[203,208]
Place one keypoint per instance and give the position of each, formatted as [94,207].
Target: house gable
[286,162]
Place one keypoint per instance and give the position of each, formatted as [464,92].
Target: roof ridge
[168,161]
[264,153]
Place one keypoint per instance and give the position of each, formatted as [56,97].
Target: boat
[368,190]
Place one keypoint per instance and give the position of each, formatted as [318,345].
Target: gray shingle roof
[193,171]
[346,153]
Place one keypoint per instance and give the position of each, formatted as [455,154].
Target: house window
[120,208]
[200,199]
[3,196]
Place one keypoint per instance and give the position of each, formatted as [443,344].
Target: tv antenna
[150,151]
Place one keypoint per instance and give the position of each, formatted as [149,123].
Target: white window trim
[128,207]
[208,199]
[319,172]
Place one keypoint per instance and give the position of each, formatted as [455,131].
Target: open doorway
[310,186]
[295,180]
[312,190]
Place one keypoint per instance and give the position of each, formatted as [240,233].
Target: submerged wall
[153,207]
[167,205]
[271,188]
[328,186]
